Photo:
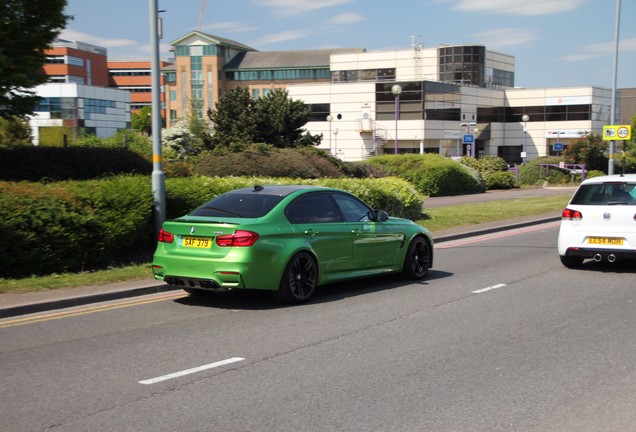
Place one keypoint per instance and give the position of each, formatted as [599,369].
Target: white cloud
[229,26]
[518,7]
[296,7]
[601,49]
[346,18]
[96,40]
[281,37]
[505,37]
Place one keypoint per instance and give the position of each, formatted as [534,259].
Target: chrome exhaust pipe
[611,258]
[598,257]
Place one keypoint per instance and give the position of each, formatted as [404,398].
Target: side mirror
[381,216]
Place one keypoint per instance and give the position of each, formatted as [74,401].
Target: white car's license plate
[612,241]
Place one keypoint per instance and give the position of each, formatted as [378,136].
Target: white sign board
[452,134]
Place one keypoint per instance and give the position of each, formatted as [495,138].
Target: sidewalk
[13,304]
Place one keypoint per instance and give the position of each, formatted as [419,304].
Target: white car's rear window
[605,193]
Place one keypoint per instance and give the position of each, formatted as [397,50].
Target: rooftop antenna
[201,13]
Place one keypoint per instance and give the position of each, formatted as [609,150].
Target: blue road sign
[557,146]
[469,139]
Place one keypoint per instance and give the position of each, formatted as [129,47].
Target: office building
[451,99]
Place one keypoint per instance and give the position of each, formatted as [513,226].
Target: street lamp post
[157,176]
[335,149]
[396,90]
[525,119]
[329,120]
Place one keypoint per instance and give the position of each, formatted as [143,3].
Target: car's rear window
[605,193]
[239,205]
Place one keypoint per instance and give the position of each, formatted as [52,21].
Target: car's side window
[352,209]
[312,208]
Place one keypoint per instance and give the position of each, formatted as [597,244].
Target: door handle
[310,232]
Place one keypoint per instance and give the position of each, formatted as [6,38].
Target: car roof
[612,178]
[280,190]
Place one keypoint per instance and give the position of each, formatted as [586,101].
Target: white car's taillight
[572,215]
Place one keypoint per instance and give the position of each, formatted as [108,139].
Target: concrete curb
[450,237]
[81,300]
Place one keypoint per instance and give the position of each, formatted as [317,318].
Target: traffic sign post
[615,133]
[470,140]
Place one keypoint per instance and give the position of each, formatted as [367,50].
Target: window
[319,112]
[312,208]
[241,205]
[352,209]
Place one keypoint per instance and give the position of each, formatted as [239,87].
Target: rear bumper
[602,252]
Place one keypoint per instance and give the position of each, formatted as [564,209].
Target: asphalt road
[500,337]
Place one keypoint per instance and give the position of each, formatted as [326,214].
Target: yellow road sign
[617,132]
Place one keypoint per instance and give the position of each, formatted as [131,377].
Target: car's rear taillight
[165,236]
[569,214]
[238,239]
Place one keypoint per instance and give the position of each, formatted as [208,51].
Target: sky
[556,43]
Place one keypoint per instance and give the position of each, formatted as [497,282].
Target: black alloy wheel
[300,279]
[418,259]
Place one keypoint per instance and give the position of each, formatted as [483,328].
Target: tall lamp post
[157,176]
[610,162]
[524,119]
[335,149]
[396,90]
[329,120]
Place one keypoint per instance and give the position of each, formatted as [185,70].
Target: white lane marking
[483,290]
[191,371]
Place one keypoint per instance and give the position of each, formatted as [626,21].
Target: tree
[590,150]
[275,119]
[14,132]
[280,120]
[180,140]
[142,120]
[27,28]
[198,126]
[234,123]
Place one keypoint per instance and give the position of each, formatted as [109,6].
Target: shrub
[72,163]
[532,174]
[432,174]
[43,228]
[594,173]
[265,160]
[396,196]
[500,180]
[71,226]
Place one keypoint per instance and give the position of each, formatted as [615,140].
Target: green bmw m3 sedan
[289,240]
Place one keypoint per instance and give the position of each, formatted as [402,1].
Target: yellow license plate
[613,241]
[196,242]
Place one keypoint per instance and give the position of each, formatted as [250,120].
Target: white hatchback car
[600,221]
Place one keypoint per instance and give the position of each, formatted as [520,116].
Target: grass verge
[442,218]
[435,219]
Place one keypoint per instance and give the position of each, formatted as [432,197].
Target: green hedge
[80,225]
[432,174]
[71,226]
[72,163]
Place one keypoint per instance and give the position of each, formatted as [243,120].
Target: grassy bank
[435,219]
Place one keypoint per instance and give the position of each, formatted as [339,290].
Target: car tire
[571,261]
[299,280]
[418,259]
